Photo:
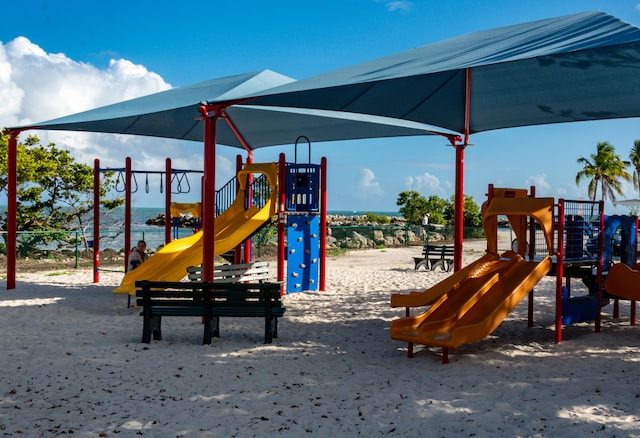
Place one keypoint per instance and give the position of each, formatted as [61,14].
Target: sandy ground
[72,364]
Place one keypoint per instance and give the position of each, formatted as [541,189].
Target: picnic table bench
[210,301]
[434,256]
[230,273]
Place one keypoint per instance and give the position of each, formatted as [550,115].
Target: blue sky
[62,57]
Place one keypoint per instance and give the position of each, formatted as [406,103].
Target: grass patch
[58,273]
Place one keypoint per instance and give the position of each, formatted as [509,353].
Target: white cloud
[54,85]
[427,184]
[543,188]
[366,185]
[399,5]
[36,86]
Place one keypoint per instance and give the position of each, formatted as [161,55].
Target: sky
[65,56]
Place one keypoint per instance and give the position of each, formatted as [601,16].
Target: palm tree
[604,168]
[634,157]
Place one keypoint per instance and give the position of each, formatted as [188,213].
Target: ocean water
[112,225]
[139,216]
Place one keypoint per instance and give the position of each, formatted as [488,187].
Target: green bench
[210,301]
[434,256]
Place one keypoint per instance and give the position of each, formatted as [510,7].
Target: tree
[436,207]
[471,216]
[604,168]
[413,206]
[634,158]
[54,192]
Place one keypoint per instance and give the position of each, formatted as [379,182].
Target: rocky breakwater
[360,232]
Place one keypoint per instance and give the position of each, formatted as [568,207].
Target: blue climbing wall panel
[303,250]
[303,187]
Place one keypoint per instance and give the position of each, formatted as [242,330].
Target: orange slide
[469,305]
[623,282]
[473,306]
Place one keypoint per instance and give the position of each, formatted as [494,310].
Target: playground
[73,361]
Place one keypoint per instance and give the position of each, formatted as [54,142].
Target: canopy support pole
[236,131]
[209,192]
[458,208]
[12,207]
[458,205]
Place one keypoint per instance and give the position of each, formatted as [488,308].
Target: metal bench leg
[268,333]
[215,326]
[155,327]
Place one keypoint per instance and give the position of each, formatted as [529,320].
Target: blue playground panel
[623,243]
[579,309]
[303,251]
[303,187]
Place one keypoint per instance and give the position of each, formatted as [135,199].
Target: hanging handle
[295,156]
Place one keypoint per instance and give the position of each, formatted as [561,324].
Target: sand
[72,364]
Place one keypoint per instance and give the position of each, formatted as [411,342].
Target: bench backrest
[254,271]
[192,294]
[438,250]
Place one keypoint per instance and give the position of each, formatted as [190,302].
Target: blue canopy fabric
[174,114]
[578,67]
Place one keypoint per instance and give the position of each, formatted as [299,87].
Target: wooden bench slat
[231,273]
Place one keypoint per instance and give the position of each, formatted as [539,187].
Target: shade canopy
[578,67]
[174,114]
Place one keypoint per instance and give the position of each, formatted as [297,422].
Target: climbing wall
[303,250]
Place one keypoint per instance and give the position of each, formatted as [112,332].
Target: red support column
[167,201]
[532,240]
[127,212]
[282,167]
[237,252]
[599,269]
[458,212]
[96,221]
[323,224]
[559,271]
[209,194]
[458,208]
[12,208]
[247,243]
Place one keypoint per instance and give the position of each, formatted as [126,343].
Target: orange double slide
[470,304]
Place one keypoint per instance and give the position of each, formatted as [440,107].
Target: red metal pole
[167,201]
[323,224]
[127,211]
[209,193]
[247,243]
[559,271]
[599,269]
[458,209]
[12,208]
[96,221]
[532,241]
[237,252]
[632,310]
[282,172]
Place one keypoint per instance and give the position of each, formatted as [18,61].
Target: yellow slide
[231,227]
[623,282]
[474,306]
